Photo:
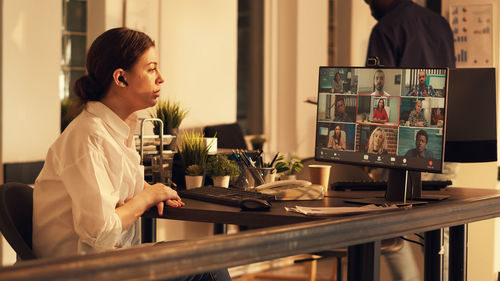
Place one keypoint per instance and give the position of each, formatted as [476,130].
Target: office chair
[228,135]
[16,216]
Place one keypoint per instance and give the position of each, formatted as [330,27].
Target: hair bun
[87,89]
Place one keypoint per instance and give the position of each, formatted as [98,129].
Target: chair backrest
[228,135]
[16,217]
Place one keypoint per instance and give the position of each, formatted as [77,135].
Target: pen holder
[259,176]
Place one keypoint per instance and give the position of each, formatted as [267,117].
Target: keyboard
[222,195]
[382,185]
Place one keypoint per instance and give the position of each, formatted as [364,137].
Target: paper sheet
[335,211]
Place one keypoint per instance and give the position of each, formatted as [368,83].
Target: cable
[412,241]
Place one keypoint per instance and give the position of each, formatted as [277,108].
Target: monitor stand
[412,191]
[403,188]
[403,185]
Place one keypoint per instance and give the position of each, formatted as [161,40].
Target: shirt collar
[395,4]
[110,118]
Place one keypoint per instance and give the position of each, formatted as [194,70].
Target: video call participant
[340,112]
[337,84]
[336,141]
[92,172]
[378,142]
[420,150]
[422,89]
[379,114]
[378,83]
[416,117]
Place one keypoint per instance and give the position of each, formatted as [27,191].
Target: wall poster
[472,26]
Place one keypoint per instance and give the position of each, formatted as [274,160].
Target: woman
[378,142]
[336,141]
[337,84]
[91,190]
[379,114]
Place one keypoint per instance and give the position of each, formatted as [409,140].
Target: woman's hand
[152,195]
[162,195]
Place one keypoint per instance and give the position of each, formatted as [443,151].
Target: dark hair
[115,48]
[422,133]
[378,103]
[334,135]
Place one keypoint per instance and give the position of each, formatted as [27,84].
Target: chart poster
[473,35]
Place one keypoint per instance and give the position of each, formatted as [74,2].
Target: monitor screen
[384,117]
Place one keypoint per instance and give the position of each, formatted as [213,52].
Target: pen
[236,156]
[274,159]
[257,157]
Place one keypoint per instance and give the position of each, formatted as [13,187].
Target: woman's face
[378,139]
[337,76]
[337,131]
[380,104]
[418,106]
[144,79]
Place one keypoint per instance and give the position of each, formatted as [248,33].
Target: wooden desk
[179,258]
[362,233]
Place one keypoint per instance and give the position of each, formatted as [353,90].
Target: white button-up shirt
[88,172]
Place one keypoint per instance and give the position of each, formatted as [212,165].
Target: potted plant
[257,142]
[288,168]
[172,115]
[221,169]
[194,176]
[193,150]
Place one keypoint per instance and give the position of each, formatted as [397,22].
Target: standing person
[378,83]
[409,35]
[92,172]
[379,114]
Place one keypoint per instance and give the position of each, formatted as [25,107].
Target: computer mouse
[254,204]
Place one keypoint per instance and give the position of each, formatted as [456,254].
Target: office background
[197,43]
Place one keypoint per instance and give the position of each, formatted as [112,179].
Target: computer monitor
[385,117]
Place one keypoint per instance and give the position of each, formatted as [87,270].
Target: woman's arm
[342,143]
[152,195]
[384,118]
[330,143]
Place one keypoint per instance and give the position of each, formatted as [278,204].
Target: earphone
[122,79]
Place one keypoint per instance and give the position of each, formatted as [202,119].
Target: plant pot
[222,181]
[194,181]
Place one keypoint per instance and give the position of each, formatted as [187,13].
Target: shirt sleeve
[94,200]
[384,115]
[381,46]
[412,119]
